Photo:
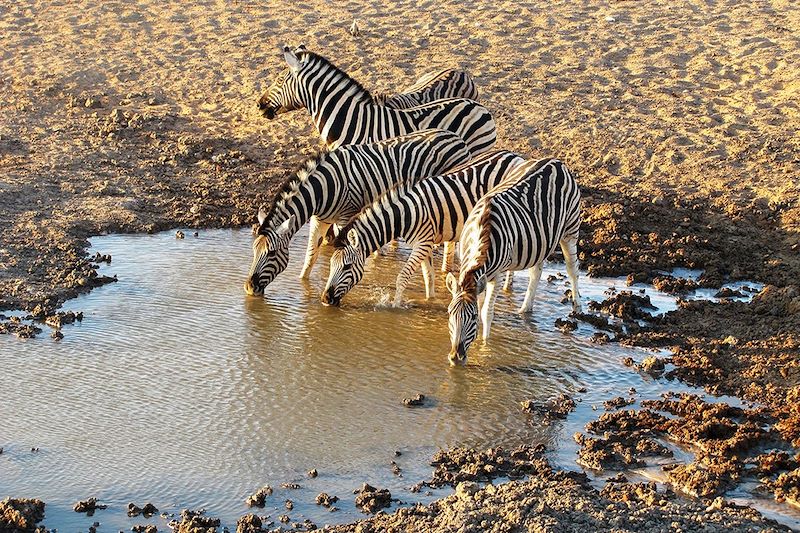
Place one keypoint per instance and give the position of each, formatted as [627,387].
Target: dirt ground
[680,120]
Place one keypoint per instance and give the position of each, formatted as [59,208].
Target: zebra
[427,213]
[436,85]
[336,185]
[515,226]
[344,112]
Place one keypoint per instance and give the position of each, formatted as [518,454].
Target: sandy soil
[680,119]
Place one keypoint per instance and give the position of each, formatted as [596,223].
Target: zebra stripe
[344,112]
[427,213]
[336,185]
[515,226]
[437,85]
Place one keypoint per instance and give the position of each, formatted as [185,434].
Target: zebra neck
[372,233]
[331,97]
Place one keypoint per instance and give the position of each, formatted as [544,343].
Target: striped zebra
[335,186]
[427,213]
[437,85]
[514,227]
[344,112]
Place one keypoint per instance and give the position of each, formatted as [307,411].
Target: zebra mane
[313,56]
[290,188]
[468,279]
[381,203]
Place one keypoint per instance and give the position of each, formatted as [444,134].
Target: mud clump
[88,506]
[598,321]
[147,511]
[20,515]
[727,292]
[618,450]
[194,522]
[699,481]
[259,497]
[414,401]
[565,326]
[15,326]
[673,285]
[249,523]
[290,485]
[326,500]
[618,402]
[625,305]
[652,365]
[467,464]
[787,487]
[371,499]
[552,409]
[144,528]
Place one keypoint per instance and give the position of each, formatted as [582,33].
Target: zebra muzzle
[330,298]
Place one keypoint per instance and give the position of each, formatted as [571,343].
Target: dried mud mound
[550,502]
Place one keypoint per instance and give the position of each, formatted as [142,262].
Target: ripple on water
[178,389]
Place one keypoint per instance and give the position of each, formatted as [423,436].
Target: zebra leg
[316,232]
[569,247]
[535,273]
[430,279]
[487,311]
[448,256]
[420,253]
[509,281]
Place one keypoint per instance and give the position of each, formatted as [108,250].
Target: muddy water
[179,390]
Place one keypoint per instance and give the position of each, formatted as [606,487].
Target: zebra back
[432,209]
[345,113]
[437,85]
[520,222]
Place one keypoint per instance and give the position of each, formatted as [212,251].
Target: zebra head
[347,268]
[270,255]
[284,93]
[463,321]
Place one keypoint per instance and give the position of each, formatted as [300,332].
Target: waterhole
[178,389]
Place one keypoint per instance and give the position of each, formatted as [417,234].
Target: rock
[617,402]
[259,497]
[600,338]
[727,292]
[284,518]
[93,103]
[371,499]
[144,528]
[312,473]
[289,504]
[179,234]
[149,510]
[290,486]
[417,400]
[57,335]
[466,489]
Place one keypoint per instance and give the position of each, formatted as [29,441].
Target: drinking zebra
[336,185]
[427,213]
[344,112]
[515,226]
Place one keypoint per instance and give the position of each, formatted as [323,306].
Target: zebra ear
[291,58]
[262,215]
[452,283]
[284,228]
[302,48]
[352,238]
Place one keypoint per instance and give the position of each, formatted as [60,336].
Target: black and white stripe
[437,85]
[336,185]
[344,112]
[428,213]
[516,226]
